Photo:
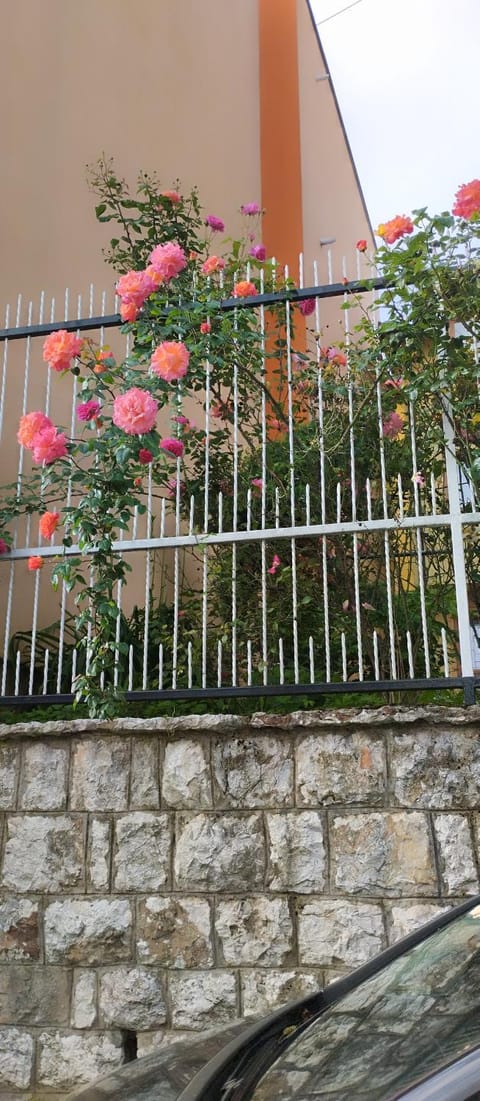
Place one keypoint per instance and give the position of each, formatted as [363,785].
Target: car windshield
[416,1015]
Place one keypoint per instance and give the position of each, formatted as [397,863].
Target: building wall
[333,205]
[168,87]
[168,876]
[220,94]
[333,208]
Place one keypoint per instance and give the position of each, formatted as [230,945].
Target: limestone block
[175,932]
[132,997]
[186,781]
[433,768]
[142,851]
[202,999]
[334,933]
[254,930]
[43,853]
[296,851]
[144,789]
[9,763]
[44,777]
[340,768]
[88,931]
[265,991]
[32,994]
[253,772]
[69,1059]
[405,917]
[455,853]
[383,854]
[19,929]
[84,999]
[99,850]
[100,772]
[16,1058]
[219,852]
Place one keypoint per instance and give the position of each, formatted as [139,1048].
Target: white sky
[406,75]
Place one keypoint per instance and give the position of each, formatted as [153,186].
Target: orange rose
[212,264]
[48,523]
[244,289]
[394,229]
[35,562]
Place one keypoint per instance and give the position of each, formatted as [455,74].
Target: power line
[335,13]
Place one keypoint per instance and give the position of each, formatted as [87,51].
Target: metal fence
[319,560]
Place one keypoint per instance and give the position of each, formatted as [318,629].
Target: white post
[456,528]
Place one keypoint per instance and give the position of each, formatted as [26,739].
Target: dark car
[406,1025]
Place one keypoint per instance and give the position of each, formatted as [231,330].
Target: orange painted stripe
[280,148]
[280,166]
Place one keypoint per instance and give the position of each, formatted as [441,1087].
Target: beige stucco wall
[166,86]
[170,86]
[159,85]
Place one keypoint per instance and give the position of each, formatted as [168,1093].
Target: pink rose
[168,260]
[172,487]
[48,445]
[307,306]
[88,410]
[393,426]
[154,276]
[3,547]
[212,264]
[60,348]
[259,252]
[276,562]
[135,412]
[172,195]
[215,223]
[222,410]
[145,456]
[250,208]
[134,288]
[205,328]
[361,245]
[129,311]
[170,360]
[185,421]
[173,446]
[30,424]
[418,479]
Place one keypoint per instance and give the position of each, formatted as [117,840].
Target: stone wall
[164,876]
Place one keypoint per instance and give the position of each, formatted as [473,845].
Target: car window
[416,1015]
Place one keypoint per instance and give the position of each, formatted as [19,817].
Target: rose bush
[404,361]
[163,260]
